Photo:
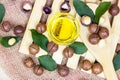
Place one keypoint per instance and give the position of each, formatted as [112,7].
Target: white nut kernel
[11,41]
[86,20]
[27,6]
[65,6]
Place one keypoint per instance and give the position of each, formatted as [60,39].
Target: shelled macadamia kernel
[86,20]
[27,6]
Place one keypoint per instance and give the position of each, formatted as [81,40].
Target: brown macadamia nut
[38,70]
[103,32]
[86,65]
[97,68]
[68,52]
[93,28]
[34,49]
[52,47]
[19,30]
[94,38]
[28,62]
[41,28]
[114,10]
[6,26]
[63,70]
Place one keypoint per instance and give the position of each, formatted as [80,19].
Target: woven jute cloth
[11,61]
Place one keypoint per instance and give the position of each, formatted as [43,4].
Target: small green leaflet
[116,61]
[4,41]
[2,12]
[39,39]
[47,62]
[101,9]
[82,9]
[78,47]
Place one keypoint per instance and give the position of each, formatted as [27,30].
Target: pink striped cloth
[11,61]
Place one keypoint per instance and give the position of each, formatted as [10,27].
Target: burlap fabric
[11,61]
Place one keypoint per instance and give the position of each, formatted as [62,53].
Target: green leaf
[101,9]
[79,48]
[2,12]
[40,39]
[116,61]
[47,62]
[4,41]
[83,9]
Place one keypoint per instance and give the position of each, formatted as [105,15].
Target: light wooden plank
[33,21]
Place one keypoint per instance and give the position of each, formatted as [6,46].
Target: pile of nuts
[51,46]
[34,49]
[97,32]
[68,52]
[17,30]
[37,69]
[95,67]
[100,33]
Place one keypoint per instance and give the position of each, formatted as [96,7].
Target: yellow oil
[63,29]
